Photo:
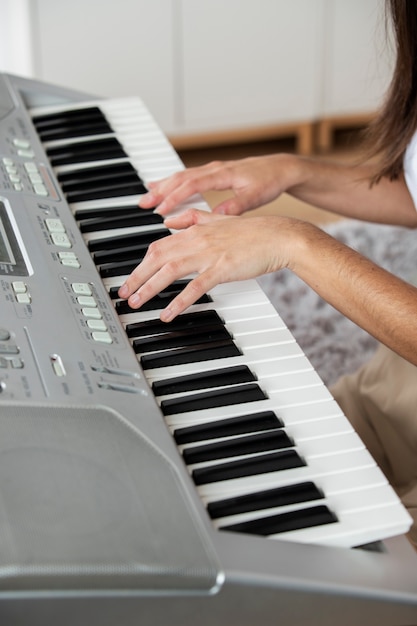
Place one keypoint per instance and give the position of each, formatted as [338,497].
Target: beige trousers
[380,400]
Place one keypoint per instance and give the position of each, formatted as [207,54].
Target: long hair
[388,135]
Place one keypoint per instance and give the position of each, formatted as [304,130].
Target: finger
[149,200]
[195,289]
[188,183]
[232,206]
[163,263]
[190,217]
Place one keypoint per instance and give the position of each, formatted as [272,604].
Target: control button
[91,313]
[82,289]
[19,286]
[23,298]
[14,178]
[35,178]
[4,334]
[55,225]
[40,189]
[7,161]
[61,239]
[67,254]
[58,365]
[96,324]
[21,143]
[18,187]
[71,263]
[11,169]
[21,293]
[69,259]
[6,348]
[16,363]
[102,337]
[86,301]
[3,362]
[31,167]
[27,154]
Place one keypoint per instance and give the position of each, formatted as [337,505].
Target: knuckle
[154,251]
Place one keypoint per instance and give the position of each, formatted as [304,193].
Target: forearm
[346,190]
[377,301]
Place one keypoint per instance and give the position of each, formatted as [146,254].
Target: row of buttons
[8,351]
[60,238]
[33,173]
[57,232]
[21,292]
[91,312]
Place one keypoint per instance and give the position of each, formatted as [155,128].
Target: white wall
[16,47]
[206,65]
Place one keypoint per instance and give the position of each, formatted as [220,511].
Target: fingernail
[148,197]
[167,315]
[134,300]
[123,291]
[160,209]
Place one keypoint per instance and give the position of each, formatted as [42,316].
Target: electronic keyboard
[153,470]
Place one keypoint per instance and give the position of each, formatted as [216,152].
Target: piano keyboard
[267,447]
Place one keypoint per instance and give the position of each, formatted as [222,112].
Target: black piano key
[178,339]
[159,301]
[122,189]
[262,464]
[124,220]
[252,422]
[72,123]
[172,289]
[69,131]
[99,213]
[239,446]
[126,253]
[75,179]
[213,399]
[70,115]
[182,322]
[147,327]
[204,380]
[86,151]
[268,499]
[190,354]
[110,270]
[285,522]
[128,239]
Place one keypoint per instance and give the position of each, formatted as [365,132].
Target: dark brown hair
[391,131]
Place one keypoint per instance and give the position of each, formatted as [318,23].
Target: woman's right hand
[254,181]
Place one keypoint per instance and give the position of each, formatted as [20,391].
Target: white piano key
[107,202]
[314,429]
[321,411]
[308,449]
[354,527]
[352,501]
[131,230]
[353,480]
[87,165]
[320,466]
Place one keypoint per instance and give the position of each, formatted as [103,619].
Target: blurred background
[223,78]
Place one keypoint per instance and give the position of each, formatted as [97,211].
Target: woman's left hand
[216,248]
